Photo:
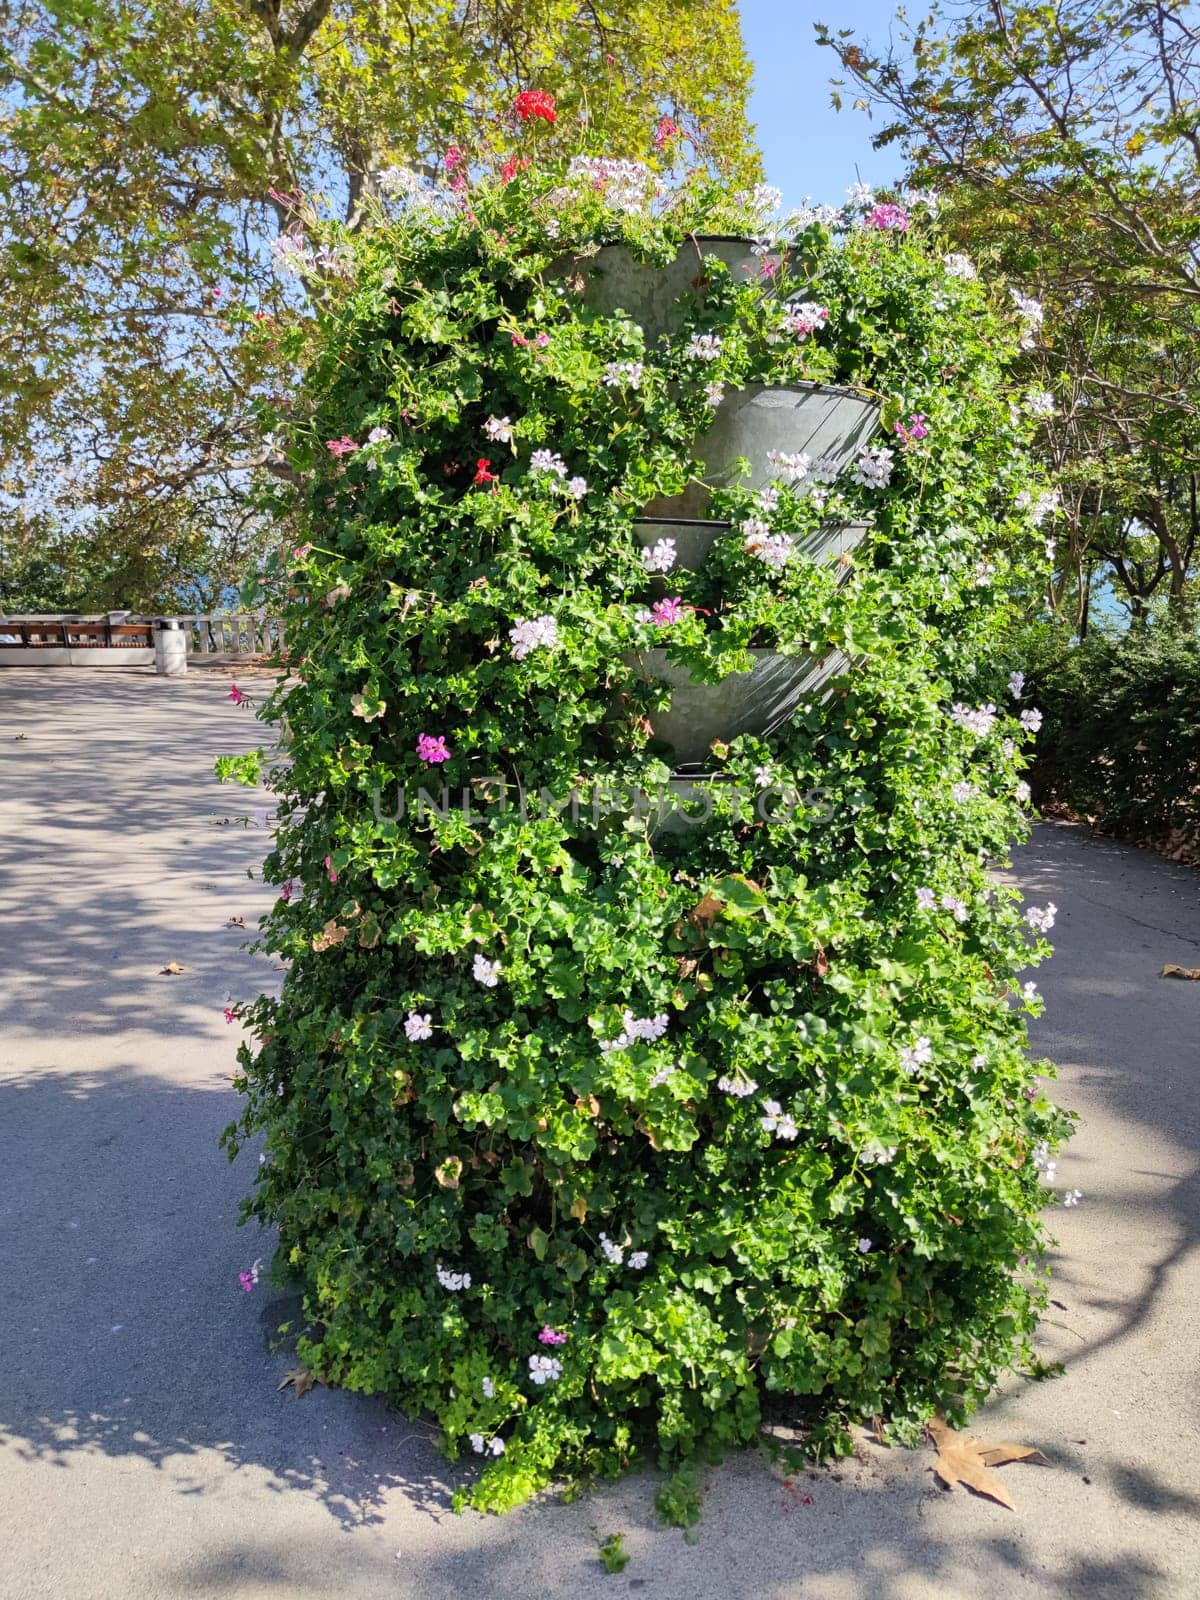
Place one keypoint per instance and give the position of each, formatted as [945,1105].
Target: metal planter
[615,280]
[827,424]
[757,702]
[694,540]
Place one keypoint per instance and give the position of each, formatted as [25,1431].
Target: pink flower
[542,340]
[665,612]
[551,1335]
[919,428]
[665,132]
[512,166]
[331,869]
[229,1017]
[432,749]
[455,157]
[285,894]
[519,340]
[341,447]
[888,216]
[236,695]
[770,266]
[246,1279]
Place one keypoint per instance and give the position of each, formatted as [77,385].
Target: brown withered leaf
[1172,971]
[171,970]
[590,1107]
[331,934]
[448,1172]
[579,1208]
[962,1459]
[301,1380]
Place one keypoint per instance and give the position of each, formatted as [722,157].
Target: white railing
[221,635]
[234,634]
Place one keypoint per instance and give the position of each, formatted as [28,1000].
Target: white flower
[979,721]
[453,1281]
[714,393]
[704,346]
[660,557]
[773,549]
[544,1369]
[777,1121]
[795,464]
[874,467]
[1016,683]
[824,470]
[539,634]
[926,899]
[765,198]
[1041,920]
[378,436]
[489,1389]
[486,972]
[1023,792]
[1046,503]
[963,792]
[624,185]
[497,1446]
[648,1028]
[543,463]
[877,1155]
[740,1088]
[1051,547]
[959,907]
[1032,315]
[623,375]
[663,1075]
[418,1025]
[476,1442]
[1029,993]
[861,194]
[576,488]
[805,318]
[1072,1197]
[499,430]
[958,266]
[768,498]
[915,1056]
[614,1254]
[638,1260]
[979,1062]
[1040,403]
[864,1246]
[1031,720]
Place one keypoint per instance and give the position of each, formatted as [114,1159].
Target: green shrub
[1121,742]
[734,1111]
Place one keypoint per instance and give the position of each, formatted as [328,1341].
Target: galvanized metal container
[758,701]
[615,280]
[829,425]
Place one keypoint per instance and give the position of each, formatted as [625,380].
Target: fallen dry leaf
[1170,971]
[301,1380]
[171,970]
[962,1459]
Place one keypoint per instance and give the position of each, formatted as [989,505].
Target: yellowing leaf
[301,1380]
[171,970]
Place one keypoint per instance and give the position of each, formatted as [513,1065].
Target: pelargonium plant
[595,1138]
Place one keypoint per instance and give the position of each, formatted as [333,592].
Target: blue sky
[808,148]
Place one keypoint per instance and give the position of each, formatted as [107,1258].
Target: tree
[1066,139]
[150,153]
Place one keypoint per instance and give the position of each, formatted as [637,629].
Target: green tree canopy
[1066,141]
[149,150]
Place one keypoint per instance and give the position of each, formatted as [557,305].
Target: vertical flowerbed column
[585,1134]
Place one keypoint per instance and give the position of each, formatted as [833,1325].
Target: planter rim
[808,388]
[682,522]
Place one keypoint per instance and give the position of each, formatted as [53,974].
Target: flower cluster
[540,633]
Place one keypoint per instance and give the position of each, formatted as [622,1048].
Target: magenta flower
[341,447]
[432,749]
[665,132]
[331,869]
[887,217]
[285,894]
[551,1335]
[246,1279]
[229,1017]
[236,695]
[665,612]
[542,340]
[918,428]
[454,158]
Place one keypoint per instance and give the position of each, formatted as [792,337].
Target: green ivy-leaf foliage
[737,1113]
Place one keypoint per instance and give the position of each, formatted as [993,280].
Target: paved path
[144,1451]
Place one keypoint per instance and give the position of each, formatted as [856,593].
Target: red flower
[512,166]
[482,475]
[531,104]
